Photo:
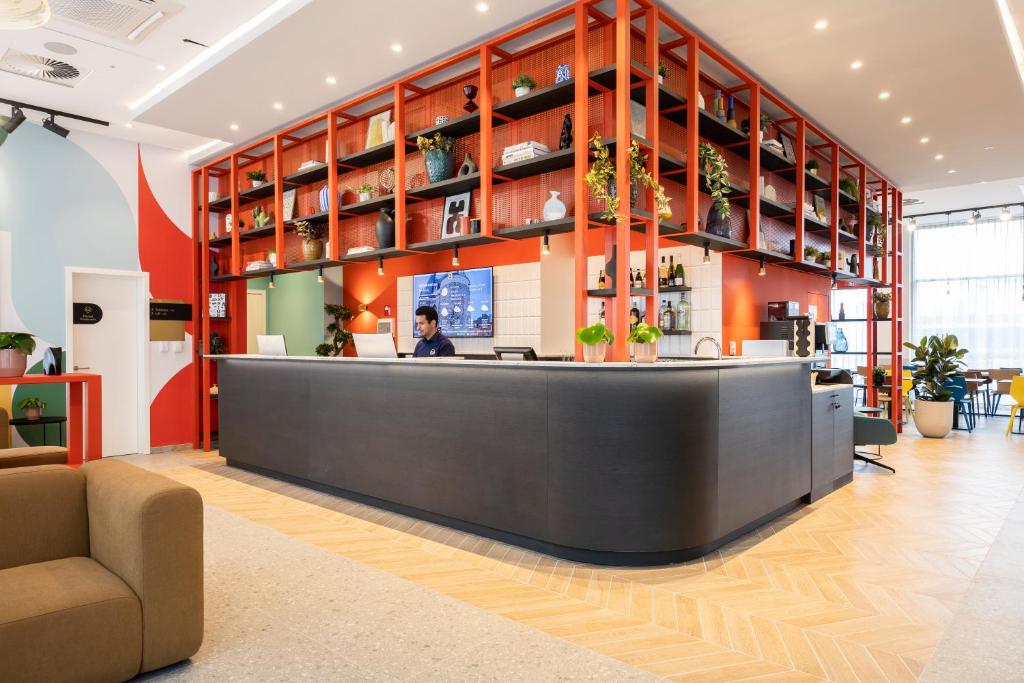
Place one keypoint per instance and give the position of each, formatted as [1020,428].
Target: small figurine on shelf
[470,91]
[562,73]
[468,167]
[731,114]
[565,139]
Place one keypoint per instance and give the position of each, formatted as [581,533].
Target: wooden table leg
[94,445]
[75,426]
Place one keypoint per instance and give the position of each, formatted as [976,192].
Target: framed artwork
[218,305]
[455,207]
[819,208]
[787,147]
[386,326]
[228,223]
[377,130]
[288,203]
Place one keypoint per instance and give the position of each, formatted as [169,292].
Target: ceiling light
[975,217]
[331,80]
[152,19]
[202,148]
[51,125]
[380,265]
[952,170]
[233,126]
[856,65]
[278,106]
[821,24]
[761,271]
[1004,215]
[911,223]
[884,95]
[455,256]
[707,251]
[939,157]
[17,118]
[161,67]
[396,47]
[905,120]
[545,247]
[925,140]
[127,125]
[989,148]
[20,16]
[482,7]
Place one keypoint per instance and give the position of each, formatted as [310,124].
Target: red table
[94,433]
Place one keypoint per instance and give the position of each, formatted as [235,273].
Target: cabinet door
[822,443]
[843,441]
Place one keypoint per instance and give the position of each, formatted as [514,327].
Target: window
[967,280]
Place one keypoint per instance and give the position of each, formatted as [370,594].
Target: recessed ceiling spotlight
[482,7]
[396,47]
[884,95]
[331,80]
[821,24]
[856,64]
[952,170]
[127,125]
[278,106]
[925,140]
[905,120]
[989,148]
[939,157]
[233,126]
[161,67]
[1004,215]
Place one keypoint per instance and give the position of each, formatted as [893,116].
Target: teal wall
[295,308]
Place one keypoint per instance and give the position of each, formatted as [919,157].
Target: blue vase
[325,198]
[439,165]
[841,345]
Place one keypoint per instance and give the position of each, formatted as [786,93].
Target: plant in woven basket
[716,173]
[339,336]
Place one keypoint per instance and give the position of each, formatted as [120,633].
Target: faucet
[696,349]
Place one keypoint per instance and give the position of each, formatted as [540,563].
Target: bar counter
[614,463]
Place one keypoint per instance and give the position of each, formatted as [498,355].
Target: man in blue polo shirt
[432,343]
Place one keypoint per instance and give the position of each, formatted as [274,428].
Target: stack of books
[523,151]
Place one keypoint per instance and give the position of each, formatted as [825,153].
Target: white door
[255,317]
[114,347]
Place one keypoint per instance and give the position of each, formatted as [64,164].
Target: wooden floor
[859,586]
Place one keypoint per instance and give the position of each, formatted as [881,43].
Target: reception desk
[612,464]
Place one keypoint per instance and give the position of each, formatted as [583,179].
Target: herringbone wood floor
[859,586]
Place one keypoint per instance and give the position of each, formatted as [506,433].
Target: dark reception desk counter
[611,464]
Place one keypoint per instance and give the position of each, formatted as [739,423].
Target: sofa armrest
[42,515]
[148,530]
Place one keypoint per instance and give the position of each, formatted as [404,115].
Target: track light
[707,251]
[320,276]
[17,118]
[455,256]
[272,285]
[380,265]
[835,284]
[1004,215]
[975,215]
[911,223]
[545,247]
[55,128]
[760,270]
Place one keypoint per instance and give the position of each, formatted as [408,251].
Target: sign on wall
[167,318]
[86,313]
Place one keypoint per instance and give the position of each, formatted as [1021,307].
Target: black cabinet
[831,439]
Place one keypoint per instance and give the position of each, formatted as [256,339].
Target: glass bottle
[671,272]
[683,315]
[841,344]
[663,274]
[667,316]
[842,312]
[601,282]
[680,275]
[634,317]
[600,316]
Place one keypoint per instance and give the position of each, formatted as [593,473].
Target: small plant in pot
[878,374]
[766,123]
[936,361]
[365,192]
[15,348]
[849,186]
[881,299]
[523,84]
[644,339]
[662,73]
[595,340]
[339,336]
[437,154]
[810,254]
[812,166]
[32,407]
[824,257]
[257,178]
[312,235]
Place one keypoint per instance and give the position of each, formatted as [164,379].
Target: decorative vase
[214,268]
[312,250]
[594,353]
[565,138]
[523,90]
[881,310]
[841,344]
[933,419]
[325,198]
[385,229]
[661,80]
[33,413]
[12,363]
[645,353]
[470,91]
[439,165]
[554,208]
[365,196]
[468,166]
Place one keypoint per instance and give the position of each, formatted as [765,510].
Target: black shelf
[374,254]
[446,187]
[219,205]
[453,128]
[676,333]
[368,157]
[846,237]
[561,225]
[715,242]
[224,278]
[721,133]
[812,183]
[638,222]
[313,265]
[768,255]
[221,241]
[610,292]
[262,192]
[848,201]
[850,320]
[808,267]
[544,163]
[318,217]
[774,161]
[666,163]
[444,244]
[311,174]
[813,224]
[386,201]
[247,235]
[536,101]
[674,289]
[262,272]
[605,77]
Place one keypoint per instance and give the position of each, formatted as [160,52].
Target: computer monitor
[374,345]
[271,345]
[515,353]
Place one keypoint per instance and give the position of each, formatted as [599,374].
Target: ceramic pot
[594,353]
[256,183]
[881,310]
[12,363]
[645,353]
[312,250]
[325,198]
[661,79]
[813,171]
[933,419]
[365,196]
[554,208]
[439,165]
[523,91]
[33,413]
[385,229]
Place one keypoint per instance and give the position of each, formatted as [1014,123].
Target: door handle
[82,368]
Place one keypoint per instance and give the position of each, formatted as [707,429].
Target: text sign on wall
[86,313]
[170,311]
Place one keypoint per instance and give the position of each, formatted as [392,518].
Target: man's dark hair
[429,312]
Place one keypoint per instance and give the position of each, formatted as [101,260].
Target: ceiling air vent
[127,21]
[41,68]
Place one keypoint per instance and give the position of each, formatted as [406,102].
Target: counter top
[673,364]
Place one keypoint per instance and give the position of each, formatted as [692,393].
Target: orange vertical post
[400,148]
[692,140]
[205,334]
[833,196]
[76,427]
[619,312]
[279,201]
[651,235]
[236,239]
[333,232]
[486,143]
[897,310]
[755,166]
[581,158]
[801,189]
[197,292]
[886,232]
[94,421]
[862,216]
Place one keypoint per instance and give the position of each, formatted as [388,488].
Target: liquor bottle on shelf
[731,114]
[680,275]
[671,272]
[719,105]
[842,311]
[668,316]
[683,315]
[634,317]
[600,316]
[663,274]
[601,282]
[641,278]
[632,282]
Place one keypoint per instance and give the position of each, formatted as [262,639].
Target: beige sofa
[32,455]
[101,572]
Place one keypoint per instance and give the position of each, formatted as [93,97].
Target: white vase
[700,99]
[365,196]
[933,419]
[256,183]
[594,353]
[523,90]
[554,208]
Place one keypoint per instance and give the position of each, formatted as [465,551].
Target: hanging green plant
[601,177]
[716,174]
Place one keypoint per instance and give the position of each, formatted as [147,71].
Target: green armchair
[872,431]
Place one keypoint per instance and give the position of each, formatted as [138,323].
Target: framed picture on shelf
[288,204]
[377,129]
[455,207]
[787,147]
[218,305]
[819,208]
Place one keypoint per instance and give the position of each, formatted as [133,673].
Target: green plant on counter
[258,176]
[602,177]
[339,336]
[878,374]
[644,334]
[260,218]
[881,296]
[217,344]
[31,402]
[812,165]
[595,334]
[663,71]
[849,186]
[523,81]
[19,341]
[936,361]
[310,231]
[438,142]
[716,174]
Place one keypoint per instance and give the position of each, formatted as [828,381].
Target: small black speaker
[52,361]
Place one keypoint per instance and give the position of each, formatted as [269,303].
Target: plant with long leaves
[716,173]
[339,335]
[595,334]
[19,341]
[936,360]
[601,177]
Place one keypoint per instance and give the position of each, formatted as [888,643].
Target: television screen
[464,300]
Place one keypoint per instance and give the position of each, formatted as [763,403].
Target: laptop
[374,345]
[270,345]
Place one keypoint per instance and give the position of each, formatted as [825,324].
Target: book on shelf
[358,250]
[529,144]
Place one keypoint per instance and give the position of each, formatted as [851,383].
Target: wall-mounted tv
[464,300]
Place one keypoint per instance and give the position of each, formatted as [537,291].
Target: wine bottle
[671,272]
[663,274]
[641,278]
[683,315]
[600,317]
[634,317]
[632,282]
[680,275]
[601,282]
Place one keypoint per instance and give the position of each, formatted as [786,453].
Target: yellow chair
[1017,394]
[908,386]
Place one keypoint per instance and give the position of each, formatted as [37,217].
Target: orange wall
[745,296]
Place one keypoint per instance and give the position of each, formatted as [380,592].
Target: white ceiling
[986,193]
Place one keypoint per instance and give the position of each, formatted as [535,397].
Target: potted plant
[339,336]
[810,254]
[260,218]
[877,235]
[881,299]
[601,180]
[878,374]
[32,407]
[365,192]
[595,340]
[849,186]
[812,166]
[716,174]
[256,177]
[824,257]
[437,154]
[523,84]
[766,122]
[936,360]
[216,344]
[312,235]
[15,348]
[645,338]
[662,73]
